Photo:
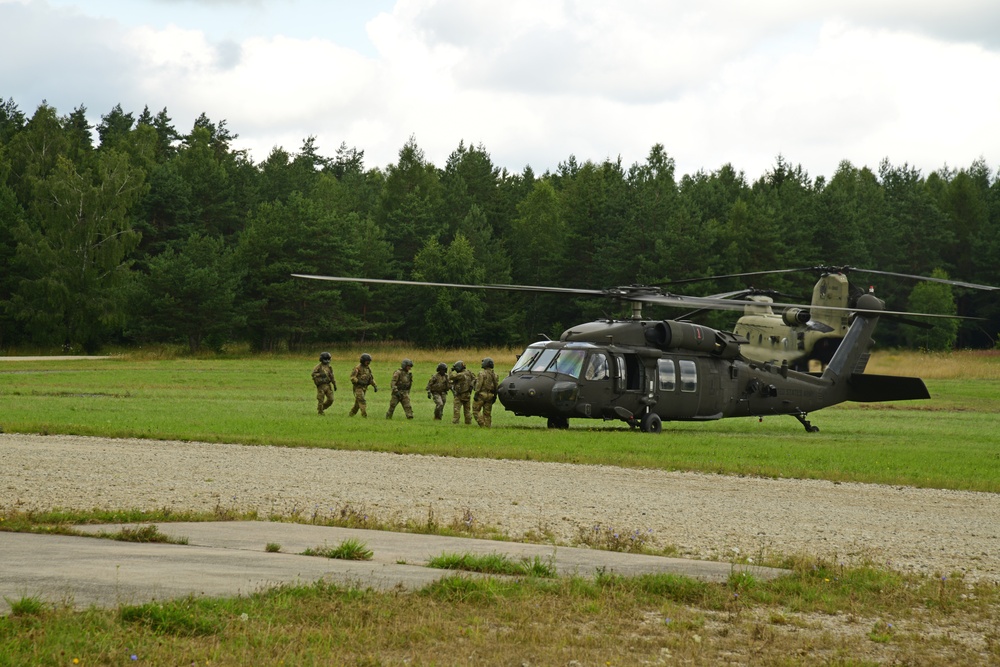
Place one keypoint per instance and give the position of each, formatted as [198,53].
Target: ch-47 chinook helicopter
[804,336]
[644,372]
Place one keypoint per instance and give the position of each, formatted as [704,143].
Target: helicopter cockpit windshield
[563,360]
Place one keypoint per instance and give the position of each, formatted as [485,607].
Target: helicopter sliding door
[677,382]
[631,374]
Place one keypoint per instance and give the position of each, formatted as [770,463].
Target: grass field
[949,441]
[822,613]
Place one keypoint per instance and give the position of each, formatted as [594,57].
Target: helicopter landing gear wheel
[806,423]
[651,423]
[558,422]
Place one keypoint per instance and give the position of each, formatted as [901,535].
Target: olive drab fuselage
[677,371]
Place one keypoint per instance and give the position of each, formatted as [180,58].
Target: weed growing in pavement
[349,549]
[143,533]
[495,564]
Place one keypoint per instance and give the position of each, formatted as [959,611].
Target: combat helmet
[406,364]
[366,357]
[442,368]
[324,356]
[487,363]
[459,366]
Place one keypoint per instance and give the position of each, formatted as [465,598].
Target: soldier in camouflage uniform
[402,380]
[461,381]
[437,390]
[361,378]
[322,376]
[486,394]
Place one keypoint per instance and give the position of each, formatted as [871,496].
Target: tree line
[150,235]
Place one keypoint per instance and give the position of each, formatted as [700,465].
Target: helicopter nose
[526,394]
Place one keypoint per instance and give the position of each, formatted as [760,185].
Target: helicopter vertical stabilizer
[846,368]
[853,351]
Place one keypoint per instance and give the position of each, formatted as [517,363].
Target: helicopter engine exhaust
[796,316]
[670,334]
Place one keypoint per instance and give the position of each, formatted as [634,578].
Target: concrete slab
[229,559]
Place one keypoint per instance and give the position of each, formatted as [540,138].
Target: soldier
[486,394]
[361,378]
[437,390]
[402,380]
[461,380]
[325,383]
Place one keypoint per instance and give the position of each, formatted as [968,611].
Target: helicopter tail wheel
[558,422]
[651,423]
[805,423]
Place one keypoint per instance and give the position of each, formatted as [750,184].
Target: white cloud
[714,82]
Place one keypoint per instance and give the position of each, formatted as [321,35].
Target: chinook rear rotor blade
[825,269]
[734,304]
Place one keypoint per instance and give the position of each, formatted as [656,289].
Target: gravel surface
[702,516]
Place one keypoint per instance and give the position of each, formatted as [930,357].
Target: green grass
[27,605]
[947,442]
[349,549]
[494,564]
[821,613]
[146,534]
[818,614]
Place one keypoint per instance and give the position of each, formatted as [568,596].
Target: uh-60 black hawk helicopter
[644,372]
[807,337]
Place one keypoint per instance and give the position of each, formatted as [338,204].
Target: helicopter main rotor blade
[636,293]
[686,281]
[421,283]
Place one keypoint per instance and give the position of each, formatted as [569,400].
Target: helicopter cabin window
[668,380]
[542,361]
[527,358]
[597,367]
[689,375]
[569,362]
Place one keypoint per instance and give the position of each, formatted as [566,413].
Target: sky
[535,82]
